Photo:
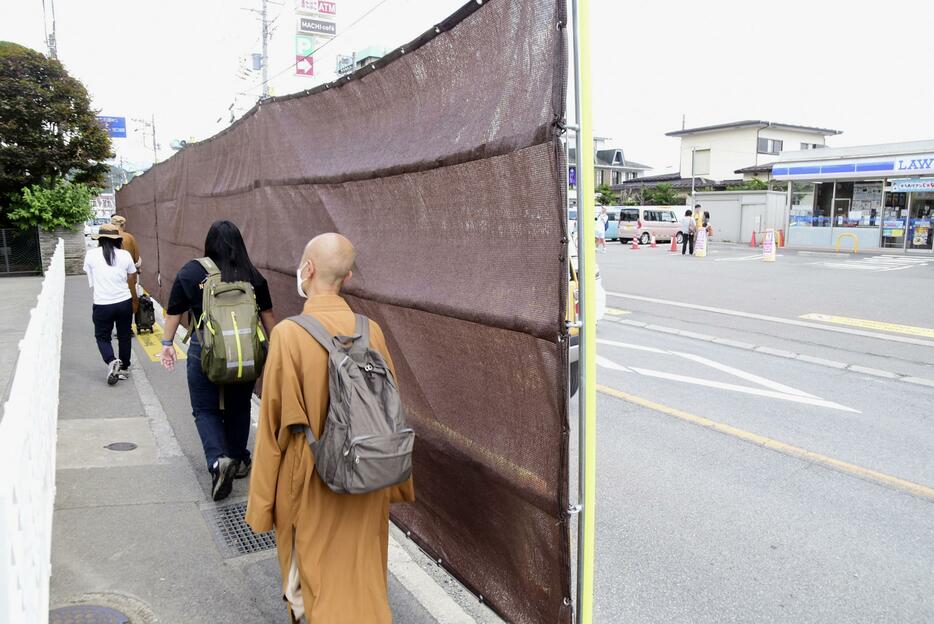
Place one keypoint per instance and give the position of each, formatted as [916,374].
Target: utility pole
[265,60]
[50,36]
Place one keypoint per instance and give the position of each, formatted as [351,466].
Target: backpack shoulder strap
[314,327]
[209,266]
[363,331]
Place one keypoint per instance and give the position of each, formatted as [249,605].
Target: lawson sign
[882,166]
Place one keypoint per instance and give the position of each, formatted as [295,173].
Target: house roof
[673,179]
[614,158]
[751,123]
[766,168]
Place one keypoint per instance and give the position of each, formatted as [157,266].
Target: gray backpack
[366,445]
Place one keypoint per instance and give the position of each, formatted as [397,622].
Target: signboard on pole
[768,246]
[305,45]
[572,176]
[316,7]
[913,185]
[304,66]
[317,27]
[345,63]
[700,243]
[115,126]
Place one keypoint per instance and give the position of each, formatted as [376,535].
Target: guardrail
[27,457]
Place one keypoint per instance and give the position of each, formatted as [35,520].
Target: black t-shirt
[187,292]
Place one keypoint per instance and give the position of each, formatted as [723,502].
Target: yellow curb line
[909,487]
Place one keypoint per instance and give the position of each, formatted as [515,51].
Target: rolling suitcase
[145,315]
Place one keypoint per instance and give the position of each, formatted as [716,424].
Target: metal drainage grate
[234,534]
[87,614]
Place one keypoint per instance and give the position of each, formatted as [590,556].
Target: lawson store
[874,196]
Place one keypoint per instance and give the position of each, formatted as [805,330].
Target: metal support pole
[580,13]
[265,60]
[155,200]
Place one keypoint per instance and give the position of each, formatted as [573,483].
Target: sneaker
[243,468]
[113,372]
[123,374]
[222,478]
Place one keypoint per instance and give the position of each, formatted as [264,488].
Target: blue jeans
[223,432]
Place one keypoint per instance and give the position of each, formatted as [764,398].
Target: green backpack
[232,338]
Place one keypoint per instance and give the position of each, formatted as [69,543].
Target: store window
[823,204]
[801,213]
[894,220]
[865,208]
[921,217]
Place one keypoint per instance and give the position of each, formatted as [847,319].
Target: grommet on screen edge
[574,509]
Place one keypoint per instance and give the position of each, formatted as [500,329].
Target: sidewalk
[136,530]
[19,297]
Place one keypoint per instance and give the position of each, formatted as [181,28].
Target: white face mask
[299,280]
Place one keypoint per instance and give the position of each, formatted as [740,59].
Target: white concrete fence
[27,457]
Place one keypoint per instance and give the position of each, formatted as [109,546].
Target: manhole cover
[121,446]
[234,534]
[87,614]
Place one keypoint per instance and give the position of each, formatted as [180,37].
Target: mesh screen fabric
[445,168]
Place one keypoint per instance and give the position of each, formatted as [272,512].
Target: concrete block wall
[75,248]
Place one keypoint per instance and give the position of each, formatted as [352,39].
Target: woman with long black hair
[223,425]
[112,275]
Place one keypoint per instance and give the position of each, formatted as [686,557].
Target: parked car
[573,313]
[641,222]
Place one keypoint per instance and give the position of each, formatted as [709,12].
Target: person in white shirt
[112,274]
[600,229]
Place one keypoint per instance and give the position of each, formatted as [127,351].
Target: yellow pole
[586,273]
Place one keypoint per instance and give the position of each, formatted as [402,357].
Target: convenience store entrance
[920,218]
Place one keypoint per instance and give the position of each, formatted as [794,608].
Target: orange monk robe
[341,540]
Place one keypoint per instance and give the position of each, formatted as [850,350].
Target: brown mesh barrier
[444,167]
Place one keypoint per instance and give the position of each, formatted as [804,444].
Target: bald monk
[333,548]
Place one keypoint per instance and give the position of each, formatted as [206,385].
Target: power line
[316,50]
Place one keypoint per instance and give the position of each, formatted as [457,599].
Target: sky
[851,66]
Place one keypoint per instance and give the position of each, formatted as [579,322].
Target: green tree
[63,205]
[605,196]
[48,130]
[749,185]
[662,195]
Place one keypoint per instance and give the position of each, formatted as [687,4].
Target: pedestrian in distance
[221,410]
[129,241]
[707,226]
[112,275]
[600,228]
[688,229]
[332,546]
[698,218]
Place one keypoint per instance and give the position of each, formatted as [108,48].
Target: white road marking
[775,319]
[879,263]
[758,256]
[796,396]
[756,379]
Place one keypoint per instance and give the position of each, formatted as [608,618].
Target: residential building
[717,152]
[610,166]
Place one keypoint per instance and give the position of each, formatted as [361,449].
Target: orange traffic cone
[634,244]
[752,242]
[653,245]
[674,244]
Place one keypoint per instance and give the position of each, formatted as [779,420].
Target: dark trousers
[105,317]
[687,240]
[223,432]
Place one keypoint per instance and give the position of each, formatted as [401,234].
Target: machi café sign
[913,185]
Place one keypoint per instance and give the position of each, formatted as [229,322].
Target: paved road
[744,474]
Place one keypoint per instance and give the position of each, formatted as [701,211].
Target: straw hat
[108,231]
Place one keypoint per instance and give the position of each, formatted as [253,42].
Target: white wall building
[716,152]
